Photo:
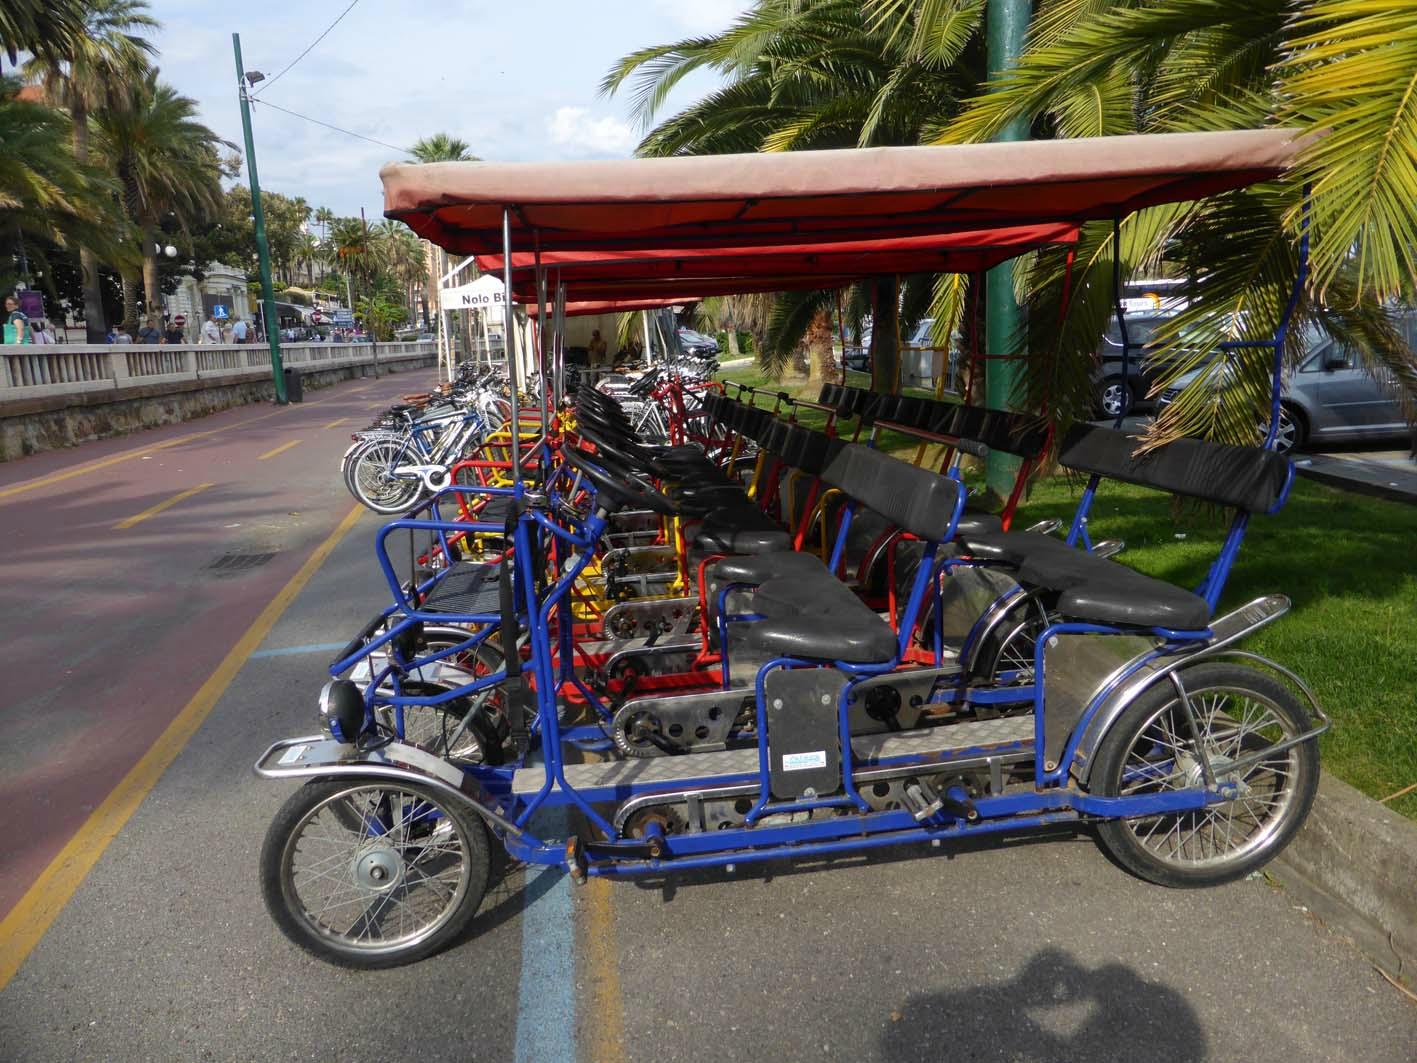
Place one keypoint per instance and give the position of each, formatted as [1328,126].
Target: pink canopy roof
[820,196]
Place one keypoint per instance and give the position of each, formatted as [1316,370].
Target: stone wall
[67,395]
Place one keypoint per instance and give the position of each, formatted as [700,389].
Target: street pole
[1006,22]
[263,251]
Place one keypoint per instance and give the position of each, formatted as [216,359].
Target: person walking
[149,332]
[175,331]
[17,325]
[211,331]
[41,332]
[239,330]
[120,335]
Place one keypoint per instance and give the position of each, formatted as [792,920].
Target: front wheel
[1152,748]
[370,476]
[371,874]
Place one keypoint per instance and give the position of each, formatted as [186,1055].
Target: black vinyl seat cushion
[972,523]
[819,619]
[741,529]
[1094,588]
[760,568]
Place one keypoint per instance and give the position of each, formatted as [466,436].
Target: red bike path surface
[109,631]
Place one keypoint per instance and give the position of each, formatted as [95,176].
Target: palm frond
[1352,72]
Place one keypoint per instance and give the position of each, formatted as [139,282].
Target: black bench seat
[1093,588]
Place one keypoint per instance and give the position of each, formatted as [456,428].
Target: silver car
[1329,397]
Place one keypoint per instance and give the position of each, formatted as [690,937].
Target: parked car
[696,344]
[916,364]
[1329,397]
[1118,394]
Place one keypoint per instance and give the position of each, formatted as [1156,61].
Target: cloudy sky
[516,79]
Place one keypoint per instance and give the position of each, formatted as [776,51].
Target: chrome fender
[1110,698]
[319,756]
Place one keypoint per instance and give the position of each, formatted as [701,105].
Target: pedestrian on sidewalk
[175,331]
[150,333]
[239,330]
[41,332]
[120,334]
[211,331]
[17,325]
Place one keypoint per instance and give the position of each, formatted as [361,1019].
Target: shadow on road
[1055,1011]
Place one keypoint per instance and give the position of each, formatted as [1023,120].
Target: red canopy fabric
[959,252]
[582,307]
[820,196]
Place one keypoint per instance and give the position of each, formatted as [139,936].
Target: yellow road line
[336,422]
[280,449]
[103,463]
[22,928]
[607,1006]
[153,511]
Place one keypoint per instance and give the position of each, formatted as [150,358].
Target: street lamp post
[263,251]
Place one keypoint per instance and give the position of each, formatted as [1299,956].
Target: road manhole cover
[235,564]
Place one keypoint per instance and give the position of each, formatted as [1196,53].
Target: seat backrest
[915,500]
[1248,478]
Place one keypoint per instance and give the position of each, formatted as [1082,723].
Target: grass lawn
[1348,562]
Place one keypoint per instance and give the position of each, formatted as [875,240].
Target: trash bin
[294,392]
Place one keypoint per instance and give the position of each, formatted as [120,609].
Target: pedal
[575,860]
[922,801]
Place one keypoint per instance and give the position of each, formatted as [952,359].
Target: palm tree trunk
[732,337]
[95,325]
[885,334]
[152,286]
[130,303]
[819,347]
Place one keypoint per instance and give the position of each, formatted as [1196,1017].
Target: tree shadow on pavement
[1055,1011]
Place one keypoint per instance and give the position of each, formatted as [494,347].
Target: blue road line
[294,651]
[546,995]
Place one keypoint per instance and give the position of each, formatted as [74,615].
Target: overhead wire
[335,128]
[307,51]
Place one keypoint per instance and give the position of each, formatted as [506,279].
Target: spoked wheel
[370,477]
[373,874]
[439,728]
[1007,653]
[1152,749]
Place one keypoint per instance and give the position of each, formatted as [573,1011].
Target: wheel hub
[378,869]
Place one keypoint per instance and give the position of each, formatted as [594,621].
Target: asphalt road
[1025,950]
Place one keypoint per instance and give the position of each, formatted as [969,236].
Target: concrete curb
[1392,483]
[1354,865]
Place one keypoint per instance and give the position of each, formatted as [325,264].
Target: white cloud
[703,16]
[575,128]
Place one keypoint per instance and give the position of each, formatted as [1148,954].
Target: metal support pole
[509,328]
[558,341]
[1005,23]
[543,331]
[263,250]
[644,322]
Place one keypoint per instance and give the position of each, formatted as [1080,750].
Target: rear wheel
[372,874]
[1152,749]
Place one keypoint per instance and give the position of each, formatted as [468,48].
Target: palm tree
[84,72]
[1345,67]
[168,163]
[307,250]
[324,218]
[45,192]
[46,29]
[352,241]
[803,74]
[442,147]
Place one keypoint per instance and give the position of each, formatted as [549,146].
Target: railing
[35,370]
